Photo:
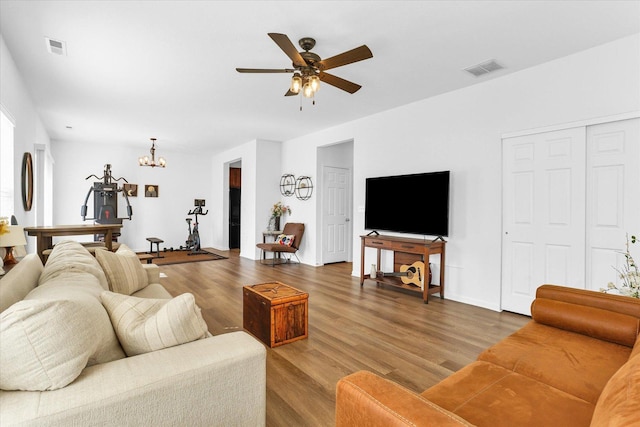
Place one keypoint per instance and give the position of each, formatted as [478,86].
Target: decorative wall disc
[304,188]
[287,185]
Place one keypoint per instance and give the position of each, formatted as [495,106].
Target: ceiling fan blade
[348,57]
[264,70]
[289,93]
[340,83]
[287,47]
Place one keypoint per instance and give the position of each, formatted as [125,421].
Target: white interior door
[613,197]
[335,219]
[543,214]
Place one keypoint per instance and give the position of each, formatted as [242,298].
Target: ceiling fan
[309,69]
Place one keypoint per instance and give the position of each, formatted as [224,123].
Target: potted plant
[629,275]
[277,211]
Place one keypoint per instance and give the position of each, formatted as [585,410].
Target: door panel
[570,198]
[613,202]
[335,209]
[543,214]
[234,218]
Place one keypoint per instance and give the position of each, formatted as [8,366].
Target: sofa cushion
[123,269]
[485,394]
[42,347]
[618,403]
[591,321]
[571,362]
[21,280]
[153,290]
[144,325]
[84,290]
[70,255]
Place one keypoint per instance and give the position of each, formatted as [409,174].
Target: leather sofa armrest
[153,272]
[366,399]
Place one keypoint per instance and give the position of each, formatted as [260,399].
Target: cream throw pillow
[21,280]
[144,325]
[42,346]
[70,256]
[123,269]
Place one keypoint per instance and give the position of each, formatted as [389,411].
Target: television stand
[405,251]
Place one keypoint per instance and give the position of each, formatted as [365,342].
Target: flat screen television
[413,204]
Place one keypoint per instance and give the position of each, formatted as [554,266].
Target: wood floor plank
[351,328]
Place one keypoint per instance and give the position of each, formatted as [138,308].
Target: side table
[271,234]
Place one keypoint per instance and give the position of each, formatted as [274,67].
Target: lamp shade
[14,237]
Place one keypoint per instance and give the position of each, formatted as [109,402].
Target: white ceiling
[166,69]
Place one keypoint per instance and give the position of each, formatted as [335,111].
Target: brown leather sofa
[576,363]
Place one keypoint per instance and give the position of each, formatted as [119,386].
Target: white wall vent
[56,47]
[484,68]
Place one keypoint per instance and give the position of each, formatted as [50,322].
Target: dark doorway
[234,208]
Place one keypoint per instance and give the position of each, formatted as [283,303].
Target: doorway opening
[335,166]
[235,188]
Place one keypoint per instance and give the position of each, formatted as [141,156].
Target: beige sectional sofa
[99,341]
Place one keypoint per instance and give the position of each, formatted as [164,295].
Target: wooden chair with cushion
[286,245]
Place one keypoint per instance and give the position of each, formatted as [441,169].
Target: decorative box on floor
[275,313]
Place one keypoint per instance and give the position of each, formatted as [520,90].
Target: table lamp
[14,237]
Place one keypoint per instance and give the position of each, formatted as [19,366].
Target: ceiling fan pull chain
[300,102]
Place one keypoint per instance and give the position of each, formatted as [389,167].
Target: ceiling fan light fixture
[296,83]
[308,66]
[307,90]
[315,83]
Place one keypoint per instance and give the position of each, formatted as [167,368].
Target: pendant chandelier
[145,161]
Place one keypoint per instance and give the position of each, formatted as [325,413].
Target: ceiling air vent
[484,68]
[56,47]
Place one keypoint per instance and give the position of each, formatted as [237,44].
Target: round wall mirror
[27,181]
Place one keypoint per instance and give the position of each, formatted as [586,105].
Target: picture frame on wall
[151,190]
[131,190]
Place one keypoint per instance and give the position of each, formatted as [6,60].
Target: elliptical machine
[193,239]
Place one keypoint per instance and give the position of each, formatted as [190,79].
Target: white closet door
[613,197]
[543,214]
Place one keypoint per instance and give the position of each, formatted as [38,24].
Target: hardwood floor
[351,328]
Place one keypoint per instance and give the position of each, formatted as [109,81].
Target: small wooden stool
[157,241]
[146,257]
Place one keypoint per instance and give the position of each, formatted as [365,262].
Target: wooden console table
[44,234]
[405,250]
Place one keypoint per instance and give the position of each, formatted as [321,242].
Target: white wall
[29,131]
[461,131]
[186,177]
[261,171]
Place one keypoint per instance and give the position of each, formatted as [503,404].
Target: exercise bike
[193,239]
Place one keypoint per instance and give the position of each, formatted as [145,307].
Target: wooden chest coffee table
[275,313]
